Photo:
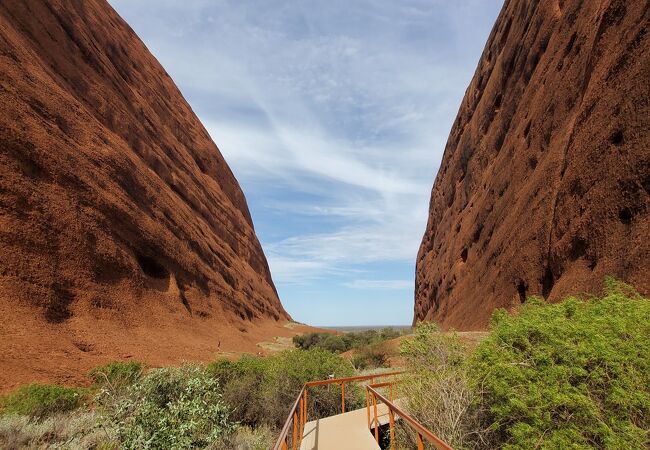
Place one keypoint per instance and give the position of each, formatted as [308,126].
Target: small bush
[40,400]
[244,383]
[172,408]
[70,430]
[370,357]
[344,342]
[569,375]
[438,390]
[262,390]
[116,374]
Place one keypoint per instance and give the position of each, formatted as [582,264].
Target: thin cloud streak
[381,284]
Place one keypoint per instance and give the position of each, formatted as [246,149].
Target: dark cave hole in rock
[527,129]
[578,248]
[463,255]
[58,308]
[548,281]
[625,215]
[185,302]
[152,268]
[522,287]
[617,138]
[497,101]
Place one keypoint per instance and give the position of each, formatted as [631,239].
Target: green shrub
[370,357]
[292,369]
[344,342]
[438,390]
[172,408]
[569,375]
[78,429]
[40,400]
[116,374]
[243,383]
[262,390]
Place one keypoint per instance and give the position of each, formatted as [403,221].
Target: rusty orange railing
[421,432]
[298,413]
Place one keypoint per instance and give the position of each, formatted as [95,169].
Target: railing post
[391,416]
[300,421]
[420,442]
[295,429]
[368,407]
[374,402]
[306,406]
[342,398]
[303,411]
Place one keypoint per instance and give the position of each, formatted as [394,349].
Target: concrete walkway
[347,431]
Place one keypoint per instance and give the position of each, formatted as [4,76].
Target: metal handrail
[298,413]
[420,430]
[282,443]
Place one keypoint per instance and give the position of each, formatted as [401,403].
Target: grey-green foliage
[437,389]
[173,408]
[116,374]
[339,343]
[262,390]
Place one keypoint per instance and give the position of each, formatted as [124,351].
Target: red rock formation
[115,204]
[544,184]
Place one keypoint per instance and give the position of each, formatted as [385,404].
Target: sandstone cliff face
[115,204]
[544,184]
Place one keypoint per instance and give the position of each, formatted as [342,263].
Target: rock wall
[115,204]
[544,184]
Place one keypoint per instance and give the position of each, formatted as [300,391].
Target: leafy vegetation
[569,375]
[438,389]
[370,357]
[262,390]
[78,429]
[41,400]
[171,408]
[339,343]
[228,404]
[116,374]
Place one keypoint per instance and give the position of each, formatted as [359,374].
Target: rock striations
[115,205]
[544,184]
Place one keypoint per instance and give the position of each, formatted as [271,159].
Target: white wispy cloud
[381,284]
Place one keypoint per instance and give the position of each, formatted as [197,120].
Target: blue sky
[333,115]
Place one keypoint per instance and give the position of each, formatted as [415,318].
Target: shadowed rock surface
[115,204]
[544,184]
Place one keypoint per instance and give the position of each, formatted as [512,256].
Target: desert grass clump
[248,438]
[68,430]
[41,400]
[116,374]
